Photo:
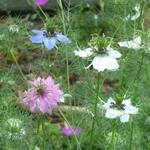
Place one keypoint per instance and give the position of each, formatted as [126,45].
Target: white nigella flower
[127,109]
[124,113]
[134,44]
[135,16]
[14,28]
[100,61]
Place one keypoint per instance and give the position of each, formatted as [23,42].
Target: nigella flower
[49,39]
[40,2]
[126,109]
[133,44]
[69,131]
[43,95]
[106,60]
[135,16]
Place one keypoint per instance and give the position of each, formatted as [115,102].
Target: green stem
[113,137]
[95,111]
[131,136]
[14,58]
[64,29]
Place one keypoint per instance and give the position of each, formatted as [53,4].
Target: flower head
[103,60]
[69,131]
[133,44]
[40,2]
[126,109]
[49,39]
[43,95]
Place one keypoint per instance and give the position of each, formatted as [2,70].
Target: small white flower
[101,62]
[135,16]
[14,28]
[134,44]
[84,53]
[124,113]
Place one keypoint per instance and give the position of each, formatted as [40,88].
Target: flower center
[112,104]
[40,89]
[122,106]
[49,33]
[101,51]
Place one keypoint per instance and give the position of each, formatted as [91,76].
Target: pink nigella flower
[43,95]
[40,2]
[69,131]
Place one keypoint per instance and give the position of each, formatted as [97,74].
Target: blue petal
[62,38]
[49,43]
[36,39]
[38,32]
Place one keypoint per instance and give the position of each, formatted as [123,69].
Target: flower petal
[84,53]
[112,113]
[124,118]
[62,38]
[100,63]
[36,39]
[38,32]
[135,43]
[113,53]
[40,2]
[49,43]
[109,103]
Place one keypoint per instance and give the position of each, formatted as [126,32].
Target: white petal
[84,53]
[137,14]
[124,118]
[109,103]
[112,113]
[135,43]
[100,63]
[113,53]
[126,102]
[124,44]
[129,108]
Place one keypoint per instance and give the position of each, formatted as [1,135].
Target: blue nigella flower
[49,39]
